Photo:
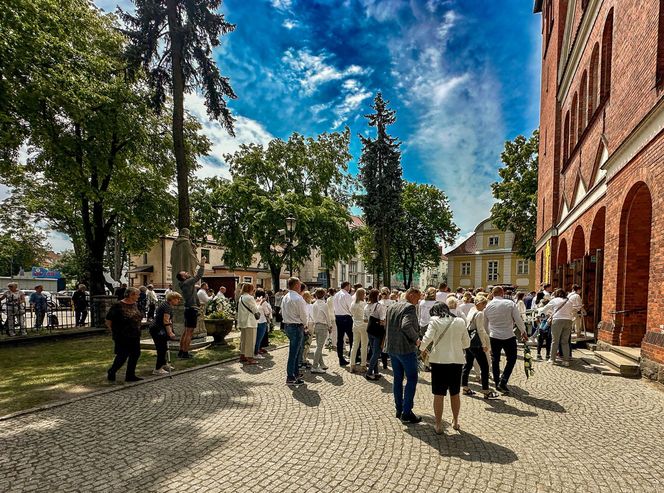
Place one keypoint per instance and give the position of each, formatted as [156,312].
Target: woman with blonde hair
[453,305]
[466,304]
[360,336]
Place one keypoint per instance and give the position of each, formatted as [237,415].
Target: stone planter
[218,329]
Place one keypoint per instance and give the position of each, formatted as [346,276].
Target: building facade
[601,148]
[154,267]
[487,258]
[433,276]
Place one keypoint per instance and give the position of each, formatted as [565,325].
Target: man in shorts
[188,288]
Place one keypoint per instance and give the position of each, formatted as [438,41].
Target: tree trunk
[177,74]
[275,271]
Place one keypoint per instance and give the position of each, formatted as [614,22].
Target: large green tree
[99,159]
[305,178]
[22,243]
[426,221]
[172,40]
[516,209]
[380,175]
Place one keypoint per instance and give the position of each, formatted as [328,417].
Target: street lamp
[374,256]
[290,226]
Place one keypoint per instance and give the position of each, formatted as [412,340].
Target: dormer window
[493,241]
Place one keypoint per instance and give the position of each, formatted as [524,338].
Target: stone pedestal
[178,323]
[100,305]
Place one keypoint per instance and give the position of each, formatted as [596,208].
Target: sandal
[469,392]
[491,395]
[456,427]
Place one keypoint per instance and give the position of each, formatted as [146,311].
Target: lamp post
[374,256]
[290,226]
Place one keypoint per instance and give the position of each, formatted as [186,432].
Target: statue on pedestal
[183,257]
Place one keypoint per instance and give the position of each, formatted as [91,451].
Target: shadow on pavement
[525,397]
[306,396]
[499,406]
[462,445]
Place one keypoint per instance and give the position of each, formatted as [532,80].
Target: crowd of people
[445,333]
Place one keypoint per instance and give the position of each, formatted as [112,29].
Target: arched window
[581,119]
[607,51]
[566,138]
[593,82]
[573,122]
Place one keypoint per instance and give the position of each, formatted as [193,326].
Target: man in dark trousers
[188,288]
[401,343]
[80,301]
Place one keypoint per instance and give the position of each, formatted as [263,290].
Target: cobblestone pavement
[224,428]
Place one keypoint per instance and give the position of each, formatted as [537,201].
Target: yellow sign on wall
[547,262]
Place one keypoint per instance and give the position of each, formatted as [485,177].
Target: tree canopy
[516,209]
[426,221]
[172,41]
[305,178]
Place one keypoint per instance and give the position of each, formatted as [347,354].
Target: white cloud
[311,71]
[282,4]
[382,10]
[246,131]
[353,99]
[290,24]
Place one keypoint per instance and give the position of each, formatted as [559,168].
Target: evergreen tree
[173,41]
[380,175]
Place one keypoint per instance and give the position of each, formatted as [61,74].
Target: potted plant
[219,319]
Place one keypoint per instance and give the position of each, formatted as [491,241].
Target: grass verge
[49,371]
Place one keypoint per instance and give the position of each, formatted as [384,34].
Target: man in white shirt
[202,294]
[295,318]
[500,317]
[443,292]
[577,304]
[342,302]
[221,294]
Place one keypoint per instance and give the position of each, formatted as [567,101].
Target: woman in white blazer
[449,339]
[247,323]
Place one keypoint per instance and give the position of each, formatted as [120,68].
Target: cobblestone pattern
[225,428]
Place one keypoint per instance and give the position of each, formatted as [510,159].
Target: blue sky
[463,76]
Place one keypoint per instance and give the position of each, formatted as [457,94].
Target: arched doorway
[561,264]
[595,273]
[577,259]
[634,266]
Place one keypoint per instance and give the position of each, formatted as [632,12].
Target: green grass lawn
[43,372]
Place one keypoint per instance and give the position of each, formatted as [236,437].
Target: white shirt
[479,324]
[500,316]
[561,308]
[277,298]
[357,310]
[342,302]
[441,296]
[423,312]
[264,310]
[451,346]
[465,308]
[575,300]
[203,297]
[521,306]
[376,310]
[245,312]
[330,310]
[458,313]
[294,309]
[387,302]
[320,313]
[220,296]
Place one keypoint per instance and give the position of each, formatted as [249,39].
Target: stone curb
[119,388]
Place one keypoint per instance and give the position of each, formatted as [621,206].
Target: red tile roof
[468,246]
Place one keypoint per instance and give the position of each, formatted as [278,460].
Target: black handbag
[374,327]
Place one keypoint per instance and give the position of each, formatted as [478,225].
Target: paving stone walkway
[228,429]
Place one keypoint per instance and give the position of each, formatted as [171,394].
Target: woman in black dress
[161,331]
[124,321]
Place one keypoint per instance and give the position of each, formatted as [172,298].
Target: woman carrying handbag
[446,359]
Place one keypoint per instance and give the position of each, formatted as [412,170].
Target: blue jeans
[260,333]
[295,334]
[374,344]
[404,364]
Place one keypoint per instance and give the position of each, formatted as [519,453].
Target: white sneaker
[259,356]
[160,372]
[168,367]
[551,362]
[317,370]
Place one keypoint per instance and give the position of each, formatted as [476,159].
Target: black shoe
[343,363]
[133,379]
[501,387]
[110,375]
[185,356]
[371,378]
[410,418]
[398,414]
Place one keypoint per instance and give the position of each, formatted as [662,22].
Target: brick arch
[561,258]
[598,231]
[633,266]
[578,249]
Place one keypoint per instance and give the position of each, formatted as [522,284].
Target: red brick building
[601,166]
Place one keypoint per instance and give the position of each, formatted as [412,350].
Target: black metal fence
[26,319]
